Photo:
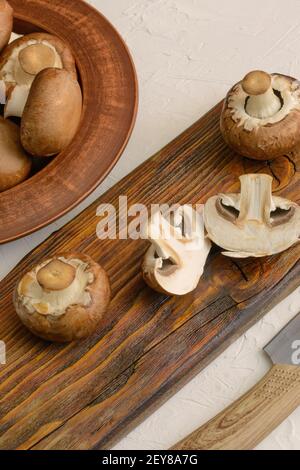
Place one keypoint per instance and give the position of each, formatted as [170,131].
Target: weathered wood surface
[88,395]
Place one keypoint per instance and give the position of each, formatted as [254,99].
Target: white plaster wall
[187,54]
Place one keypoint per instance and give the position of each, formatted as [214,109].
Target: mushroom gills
[260,118]
[57,298]
[254,222]
[55,305]
[175,261]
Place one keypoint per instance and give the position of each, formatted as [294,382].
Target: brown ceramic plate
[109,87]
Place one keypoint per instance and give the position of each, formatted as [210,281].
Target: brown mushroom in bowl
[254,222]
[63,298]
[52,113]
[15,164]
[261,116]
[6,23]
[23,59]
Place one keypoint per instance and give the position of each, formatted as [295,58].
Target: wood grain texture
[244,424]
[88,395]
[109,86]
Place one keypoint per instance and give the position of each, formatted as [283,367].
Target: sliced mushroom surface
[254,222]
[175,261]
[52,113]
[23,59]
[6,23]
[261,116]
[63,298]
[15,164]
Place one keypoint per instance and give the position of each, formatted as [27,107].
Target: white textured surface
[187,54]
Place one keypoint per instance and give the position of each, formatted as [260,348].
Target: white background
[188,53]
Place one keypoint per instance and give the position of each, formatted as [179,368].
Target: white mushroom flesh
[178,252]
[16,102]
[241,114]
[257,223]
[56,303]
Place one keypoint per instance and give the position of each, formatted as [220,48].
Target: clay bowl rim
[51,170]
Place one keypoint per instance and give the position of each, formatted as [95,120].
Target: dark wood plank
[88,395]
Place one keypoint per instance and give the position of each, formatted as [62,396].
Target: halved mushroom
[6,23]
[23,59]
[261,116]
[254,222]
[15,164]
[64,298]
[175,261]
[52,113]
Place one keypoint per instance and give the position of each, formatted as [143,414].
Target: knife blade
[245,423]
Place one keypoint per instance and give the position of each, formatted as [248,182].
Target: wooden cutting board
[89,395]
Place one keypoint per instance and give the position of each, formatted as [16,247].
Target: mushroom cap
[263,139]
[6,23]
[63,50]
[15,164]
[78,321]
[52,113]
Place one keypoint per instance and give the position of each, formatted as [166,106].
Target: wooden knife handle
[250,419]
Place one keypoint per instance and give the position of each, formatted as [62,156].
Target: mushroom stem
[262,102]
[256,201]
[36,57]
[56,275]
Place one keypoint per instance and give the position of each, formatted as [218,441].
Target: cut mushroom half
[64,298]
[254,222]
[261,115]
[175,261]
[24,59]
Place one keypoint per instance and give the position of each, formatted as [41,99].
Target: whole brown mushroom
[261,116]
[6,23]
[63,298]
[52,113]
[15,164]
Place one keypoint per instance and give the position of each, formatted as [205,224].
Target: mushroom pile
[261,116]
[39,90]
[253,223]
